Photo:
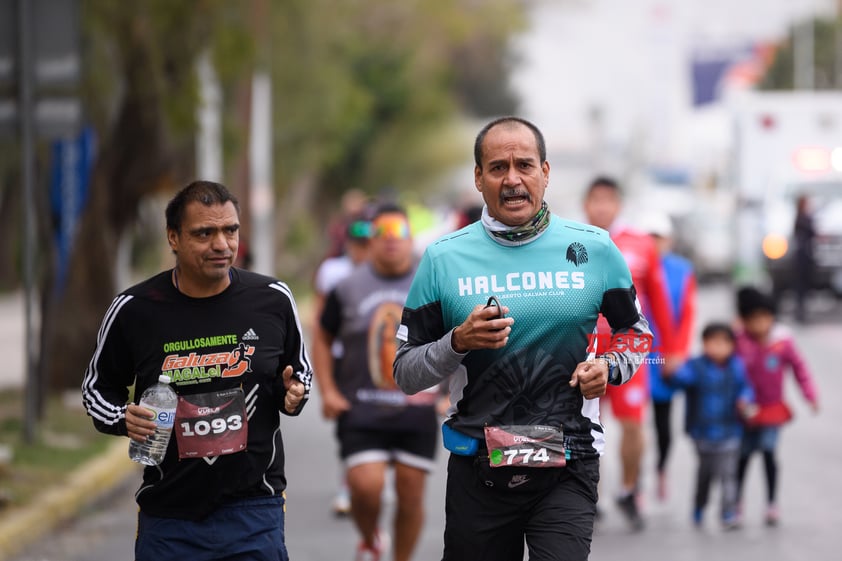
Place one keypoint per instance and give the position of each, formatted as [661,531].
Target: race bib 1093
[211,424]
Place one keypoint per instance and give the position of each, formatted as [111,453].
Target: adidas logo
[250,335]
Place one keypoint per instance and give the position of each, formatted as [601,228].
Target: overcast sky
[630,60]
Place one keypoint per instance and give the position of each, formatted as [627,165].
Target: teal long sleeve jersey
[555,287]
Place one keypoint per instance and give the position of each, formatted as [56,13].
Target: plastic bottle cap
[164,379]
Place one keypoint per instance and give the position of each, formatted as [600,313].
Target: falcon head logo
[577,254]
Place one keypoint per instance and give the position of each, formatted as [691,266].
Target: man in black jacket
[231,342]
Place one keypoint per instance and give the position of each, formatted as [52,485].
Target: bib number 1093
[211,424]
[217,425]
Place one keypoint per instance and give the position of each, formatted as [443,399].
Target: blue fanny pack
[458,443]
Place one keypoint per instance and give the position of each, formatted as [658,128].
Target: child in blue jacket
[718,397]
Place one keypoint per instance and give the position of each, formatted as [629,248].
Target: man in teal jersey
[523,430]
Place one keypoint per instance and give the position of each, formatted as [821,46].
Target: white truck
[787,144]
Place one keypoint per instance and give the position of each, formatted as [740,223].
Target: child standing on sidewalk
[768,350]
[718,395]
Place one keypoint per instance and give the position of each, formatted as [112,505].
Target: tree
[140,92]
[365,92]
[369,93]
[780,74]
[10,222]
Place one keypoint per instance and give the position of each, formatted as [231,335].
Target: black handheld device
[492,301]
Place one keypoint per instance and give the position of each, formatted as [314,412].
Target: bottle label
[211,424]
[164,418]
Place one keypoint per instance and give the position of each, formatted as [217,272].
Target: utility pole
[803,38]
[26,127]
[261,182]
[837,44]
[39,55]
[209,115]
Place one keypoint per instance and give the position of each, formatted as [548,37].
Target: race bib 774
[536,446]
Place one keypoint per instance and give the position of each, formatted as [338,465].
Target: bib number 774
[525,446]
[510,455]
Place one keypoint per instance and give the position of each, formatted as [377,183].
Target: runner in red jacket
[602,205]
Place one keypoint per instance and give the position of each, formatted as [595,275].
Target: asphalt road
[810,491]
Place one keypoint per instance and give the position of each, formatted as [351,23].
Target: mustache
[507,193]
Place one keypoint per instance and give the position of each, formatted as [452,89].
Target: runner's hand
[139,422]
[482,329]
[671,364]
[294,391]
[592,378]
[443,405]
[334,404]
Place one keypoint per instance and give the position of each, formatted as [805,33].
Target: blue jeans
[764,439]
[244,530]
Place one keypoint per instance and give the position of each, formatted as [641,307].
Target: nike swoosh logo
[513,484]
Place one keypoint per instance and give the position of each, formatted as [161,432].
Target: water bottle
[161,399]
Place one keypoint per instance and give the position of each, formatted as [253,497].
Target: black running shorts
[490,510]
[415,448]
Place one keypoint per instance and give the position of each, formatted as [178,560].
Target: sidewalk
[22,526]
[93,480]
[12,329]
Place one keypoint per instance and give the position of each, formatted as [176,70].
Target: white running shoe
[342,503]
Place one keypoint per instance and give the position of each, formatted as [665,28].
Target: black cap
[750,300]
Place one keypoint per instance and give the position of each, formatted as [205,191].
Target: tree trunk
[132,163]
[10,232]
[296,201]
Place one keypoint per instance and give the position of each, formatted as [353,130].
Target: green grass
[64,440]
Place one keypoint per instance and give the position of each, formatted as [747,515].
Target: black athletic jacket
[241,338]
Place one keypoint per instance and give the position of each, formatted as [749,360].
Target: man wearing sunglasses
[378,426]
[524,431]
[329,273]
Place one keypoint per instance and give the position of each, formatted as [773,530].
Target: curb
[89,482]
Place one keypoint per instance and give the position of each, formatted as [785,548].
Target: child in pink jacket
[768,351]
